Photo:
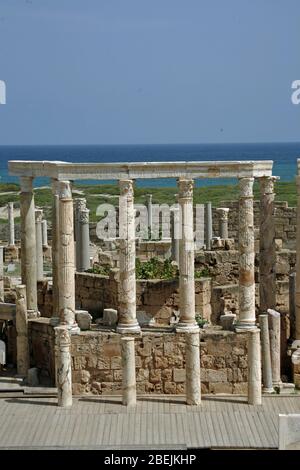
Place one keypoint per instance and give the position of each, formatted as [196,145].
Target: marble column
[1,274]
[175,233]
[127,321]
[246,318]
[64,366]
[297,295]
[275,326]
[254,367]
[11,224]
[208,225]
[23,363]
[39,245]
[292,306]
[80,205]
[45,233]
[266,354]
[186,258]
[28,245]
[66,265]
[84,241]
[223,222]
[267,250]
[149,209]
[192,360]
[55,256]
[128,371]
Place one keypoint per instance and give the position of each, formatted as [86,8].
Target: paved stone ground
[155,423]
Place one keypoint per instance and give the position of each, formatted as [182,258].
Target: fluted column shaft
[84,231]
[23,362]
[39,245]
[186,257]
[246,256]
[45,233]
[66,272]
[80,205]
[127,294]
[223,221]
[11,224]
[266,354]
[28,244]
[55,255]
[267,250]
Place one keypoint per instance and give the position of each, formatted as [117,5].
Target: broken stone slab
[32,377]
[110,317]
[227,321]
[83,319]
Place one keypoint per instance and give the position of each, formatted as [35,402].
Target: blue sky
[149,71]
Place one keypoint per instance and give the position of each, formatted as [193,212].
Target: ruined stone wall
[285,222]
[160,361]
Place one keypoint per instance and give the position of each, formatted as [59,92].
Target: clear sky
[149,71]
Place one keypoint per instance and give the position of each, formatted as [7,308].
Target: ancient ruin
[232,329]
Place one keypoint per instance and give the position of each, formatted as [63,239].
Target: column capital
[38,215]
[223,212]
[84,216]
[26,183]
[64,190]
[246,187]
[185,187]
[126,187]
[266,184]
[80,203]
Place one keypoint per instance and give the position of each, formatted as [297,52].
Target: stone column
[274,325]
[149,208]
[292,306]
[254,367]
[297,296]
[84,244]
[223,222]
[64,366]
[66,271]
[39,245]
[208,225]
[1,274]
[80,205]
[186,258]
[127,321]
[175,233]
[23,363]
[267,250]
[246,256]
[128,371]
[11,224]
[28,245]
[45,233]
[266,354]
[193,384]
[55,256]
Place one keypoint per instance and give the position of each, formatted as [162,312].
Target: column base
[73,329]
[268,390]
[124,328]
[241,327]
[186,327]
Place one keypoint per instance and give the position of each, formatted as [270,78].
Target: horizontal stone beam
[144,170]
[7,311]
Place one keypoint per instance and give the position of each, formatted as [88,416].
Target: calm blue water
[284,156]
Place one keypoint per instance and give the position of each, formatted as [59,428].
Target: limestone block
[110,317]
[179,375]
[83,319]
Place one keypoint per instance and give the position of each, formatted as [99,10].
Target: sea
[284,156]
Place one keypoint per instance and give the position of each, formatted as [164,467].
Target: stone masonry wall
[160,361]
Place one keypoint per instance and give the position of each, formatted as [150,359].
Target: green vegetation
[108,193]
[200,321]
[155,269]
[97,269]
[202,273]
